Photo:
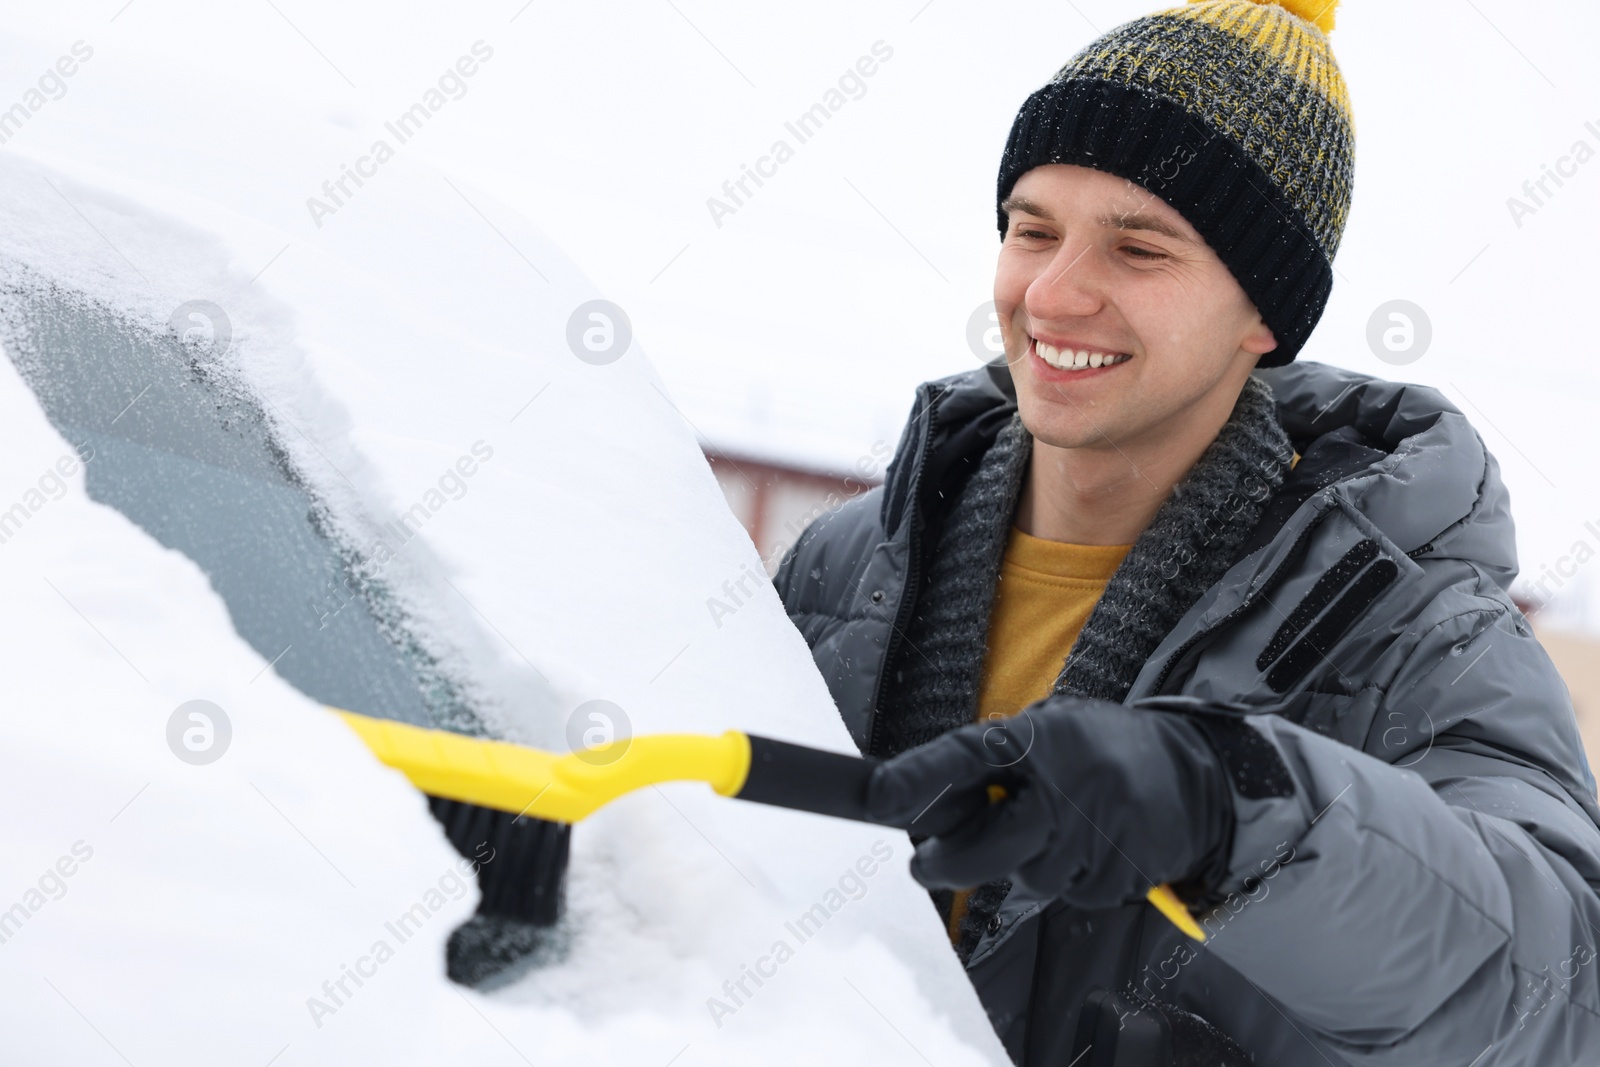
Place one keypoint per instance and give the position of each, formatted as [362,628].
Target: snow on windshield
[191,461]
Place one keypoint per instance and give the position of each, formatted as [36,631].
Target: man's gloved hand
[1103,801]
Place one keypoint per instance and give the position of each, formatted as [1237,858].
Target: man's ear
[1258,340]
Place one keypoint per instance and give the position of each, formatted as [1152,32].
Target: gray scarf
[1186,548]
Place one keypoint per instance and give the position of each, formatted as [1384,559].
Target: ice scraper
[568,788]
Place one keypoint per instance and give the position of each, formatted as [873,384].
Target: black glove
[1102,801]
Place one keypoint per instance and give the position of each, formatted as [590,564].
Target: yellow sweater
[1045,593]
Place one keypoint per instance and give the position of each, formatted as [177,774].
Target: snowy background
[430,311]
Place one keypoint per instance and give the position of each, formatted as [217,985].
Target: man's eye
[1144,253]
[1023,231]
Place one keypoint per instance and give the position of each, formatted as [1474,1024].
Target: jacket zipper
[908,591]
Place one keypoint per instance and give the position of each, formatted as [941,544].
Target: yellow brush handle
[1168,904]
[566,788]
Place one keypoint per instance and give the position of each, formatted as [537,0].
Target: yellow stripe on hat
[1265,27]
[1319,13]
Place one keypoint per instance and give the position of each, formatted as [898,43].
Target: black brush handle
[831,783]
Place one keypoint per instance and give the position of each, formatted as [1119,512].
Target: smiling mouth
[1070,360]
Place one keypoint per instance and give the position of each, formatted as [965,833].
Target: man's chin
[1050,425]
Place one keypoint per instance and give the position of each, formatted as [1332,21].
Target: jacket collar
[1435,484]
[953,422]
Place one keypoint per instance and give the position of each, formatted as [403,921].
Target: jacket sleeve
[1443,906]
[818,575]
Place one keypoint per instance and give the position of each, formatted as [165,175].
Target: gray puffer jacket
[1430,893]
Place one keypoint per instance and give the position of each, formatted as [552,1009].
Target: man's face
[1092,262]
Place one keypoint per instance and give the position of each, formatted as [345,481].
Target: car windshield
[187,453]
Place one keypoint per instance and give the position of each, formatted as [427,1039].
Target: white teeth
[1074,360]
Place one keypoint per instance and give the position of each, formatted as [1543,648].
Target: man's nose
[1068,286]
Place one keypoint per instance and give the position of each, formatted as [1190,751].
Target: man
[1297,689]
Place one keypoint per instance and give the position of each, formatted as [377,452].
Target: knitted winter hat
[1235,113]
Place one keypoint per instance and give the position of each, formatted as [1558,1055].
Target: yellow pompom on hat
[1235,113]
[1317,12]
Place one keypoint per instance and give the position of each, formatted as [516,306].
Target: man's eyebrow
[1139,220]
[1026,206]
[1119,220]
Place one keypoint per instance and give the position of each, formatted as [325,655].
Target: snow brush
[568,788]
